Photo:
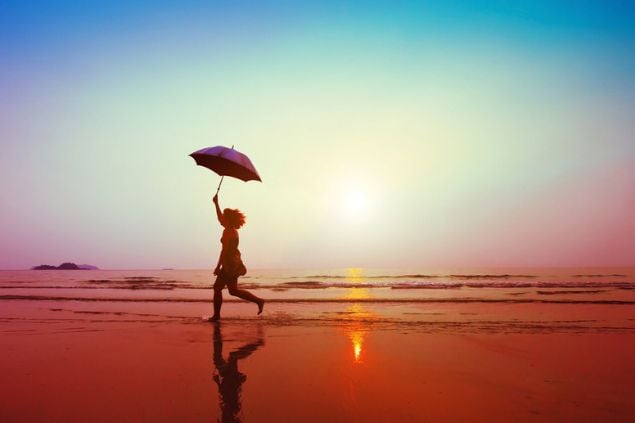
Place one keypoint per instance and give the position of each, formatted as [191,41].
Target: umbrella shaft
[220,183]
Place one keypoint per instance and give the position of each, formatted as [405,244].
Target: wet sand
[78,361]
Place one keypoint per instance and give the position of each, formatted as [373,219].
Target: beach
[342,345]
[432,201]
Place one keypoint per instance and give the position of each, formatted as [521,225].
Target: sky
[426,135]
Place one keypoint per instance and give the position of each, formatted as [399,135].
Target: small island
[65,266]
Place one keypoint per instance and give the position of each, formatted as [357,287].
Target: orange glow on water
[357,294]
[357,312]
[357,338]
[357,333]
[355,275]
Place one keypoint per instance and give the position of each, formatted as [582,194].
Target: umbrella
[226,162]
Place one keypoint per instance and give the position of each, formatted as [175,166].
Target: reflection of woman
[228,378]
[230,265]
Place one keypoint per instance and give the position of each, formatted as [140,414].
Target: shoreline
[106,365]
[336,354]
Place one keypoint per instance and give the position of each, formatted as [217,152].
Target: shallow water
[341,284]
[467,299]
[342,345]
[158,361]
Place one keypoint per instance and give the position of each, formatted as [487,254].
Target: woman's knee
[234,291]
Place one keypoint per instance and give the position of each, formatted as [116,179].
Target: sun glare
[355,202]
[357,339]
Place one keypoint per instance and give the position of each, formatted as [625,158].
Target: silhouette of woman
[230,265]
[228,378]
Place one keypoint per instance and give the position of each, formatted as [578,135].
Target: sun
[353,199]
[356,201]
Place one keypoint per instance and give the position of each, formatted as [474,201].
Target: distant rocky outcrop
[44,267]
[87,267]
[65,266]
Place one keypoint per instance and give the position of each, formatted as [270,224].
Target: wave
[588,291]
[422,276]
[600,275]
[83,321]
[320,300]
[147,284]
[420,285]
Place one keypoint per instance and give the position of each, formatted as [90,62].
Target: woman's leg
[245,295]
[218,297]
[218,303]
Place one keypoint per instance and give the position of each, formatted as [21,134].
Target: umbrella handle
[220,183]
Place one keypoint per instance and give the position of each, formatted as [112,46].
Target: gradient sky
[388,134]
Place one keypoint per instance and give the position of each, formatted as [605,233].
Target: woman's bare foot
[214,318]
[261,305]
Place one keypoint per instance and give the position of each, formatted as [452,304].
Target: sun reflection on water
[357,338]
[356,333]
[355,275]
[357,313]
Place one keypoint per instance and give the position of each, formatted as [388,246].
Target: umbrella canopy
[226,162]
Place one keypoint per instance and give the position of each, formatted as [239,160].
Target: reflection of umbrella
[226,162]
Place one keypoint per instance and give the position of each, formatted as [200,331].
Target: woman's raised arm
[219,214]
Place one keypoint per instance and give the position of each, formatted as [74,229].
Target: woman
[230,265]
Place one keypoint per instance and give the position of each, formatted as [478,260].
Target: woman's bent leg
[246,295]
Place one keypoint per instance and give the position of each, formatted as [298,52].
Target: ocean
[473,299]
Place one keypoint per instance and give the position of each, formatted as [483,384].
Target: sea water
[599,285]
[336,295]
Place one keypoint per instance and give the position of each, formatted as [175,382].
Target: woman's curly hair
[233,218]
